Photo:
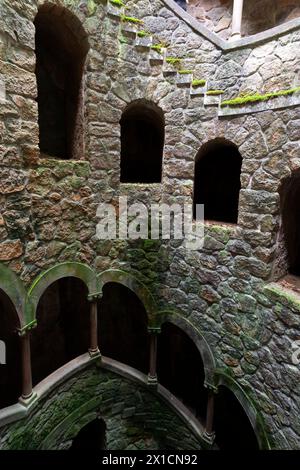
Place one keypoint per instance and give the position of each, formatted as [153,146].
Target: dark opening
[123,333]
[92,437]
[63,317]
[217,181]
[290,209]
[142,143]
[61,49]
[180,369]
[11,372]
[231,424]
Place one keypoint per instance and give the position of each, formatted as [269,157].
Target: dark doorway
[61,49]
[62,333]
[290,209]
[231,424]
[180,369]
[11,371]
[217,181]
[123,333]
[142,143]
[92,437]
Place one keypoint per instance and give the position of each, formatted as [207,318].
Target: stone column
[94,349]
[236,31]
[209,435]
[152,376]
[27,393]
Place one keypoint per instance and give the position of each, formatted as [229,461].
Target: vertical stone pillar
[152,376]
[237,15]
[27,393]
[94,348]
[209,435]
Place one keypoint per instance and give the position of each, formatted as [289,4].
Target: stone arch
[248,406]
[45,279]
[129,281]
[142,142]
[61,46]
[198,339]
[15,291]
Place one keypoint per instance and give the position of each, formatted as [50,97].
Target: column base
[94,353]
[235,37]
[152,381]
[209,438]
[27,401]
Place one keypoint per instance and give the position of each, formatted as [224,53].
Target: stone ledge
[280,102]
[284,295]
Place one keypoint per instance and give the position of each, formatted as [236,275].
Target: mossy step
[258,98]
[184,79]
[115,11]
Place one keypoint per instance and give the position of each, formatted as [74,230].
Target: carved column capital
[95,296]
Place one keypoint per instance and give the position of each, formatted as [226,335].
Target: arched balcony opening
[231,424]
[61,48]
[180,369]
[142,143]
[10,360]
[217,181]
[123,322]
[63,327]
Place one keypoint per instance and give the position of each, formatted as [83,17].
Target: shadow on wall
[10,371]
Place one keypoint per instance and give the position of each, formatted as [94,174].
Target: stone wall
[258,15]
[135,417]
[48,207]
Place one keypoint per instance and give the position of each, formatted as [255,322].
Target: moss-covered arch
[13,287]
[248,405]
[45,279]
[173,317]
[129,281]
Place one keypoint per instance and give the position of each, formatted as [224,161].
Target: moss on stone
[131,19]
[255,98]
[143,34]
[185,72]
[173,60]
[197,82]
[117,3]
[214,92]
[157,47]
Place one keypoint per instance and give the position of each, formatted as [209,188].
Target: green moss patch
[143,34]
[158,48]
[185,72]
[255,98]
[198,82]
[214,92]
[131,19]
[173,60]
[117,3]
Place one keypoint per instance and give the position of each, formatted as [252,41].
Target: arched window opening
[62,332]
[217,181]
[180,369]
[142,143]
[123,333]
[231,424]
[92,437]
[10,367]
[61,48]
[290,208]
